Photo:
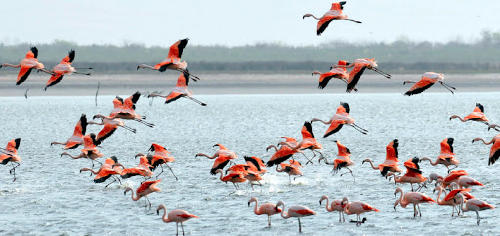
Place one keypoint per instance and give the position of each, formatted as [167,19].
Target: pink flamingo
[466,181]
[337,205]
[414,198]
[474,205]
[177,216]
[267,208]
[295,211]
[442,202]
[146,188]
[358,208]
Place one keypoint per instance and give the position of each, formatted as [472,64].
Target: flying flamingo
[64,68]
[340,119]
[295,211]
[391,160]
[143,169]
[256,164]
[291,169]
[109,126]
[222,157]
[446,157]
[444,202]
[146,188]
[474,205]
[428,79]
[28,63]
[359,67]
[235,177]
[10,155]
[173,60]
[267,208]
[89,150]
[284,152]
[413,174]
[414,198]
[337,73]
[177,216]
[308,141]
[77,138]
[495,148]
[125,109]
[358,208]
[343,159]
[337,205]
[335,13]
[181,90]
[108,169]
[476,115]
[161,156]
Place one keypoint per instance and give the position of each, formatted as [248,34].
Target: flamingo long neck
[136,197]
[430,161]
[164,217]
[439,196]
[314,17]
[327,206]
[88,169]
[279,170]
[220,176]
[283,214]
[256,208]
[207,156]
[371,164]
[401,198]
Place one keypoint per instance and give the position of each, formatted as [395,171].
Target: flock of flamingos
[455,185]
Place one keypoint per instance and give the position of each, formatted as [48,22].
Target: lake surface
[51,197]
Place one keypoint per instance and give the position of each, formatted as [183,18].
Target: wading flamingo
[466,181]
[428,79]
[450,202]
[173,60]
[343,160]
[446,157]
[477,115]
[391,160]
[474,205]
[222,157]
[413,174]
[495,148]
[335,13]
[308,142]
[108,169]
[295,211]
[28,63]
[109,126]
[452,177]
[77,138]
[125,109]
[291,169]
[414,198]
[284,152]
[64,68]
[177,216]
[359,67]
[357,208]
[337,205]
[89,150]
[234,177]
[267,208]
[146,188]
[340,119]
[181,90]
[10,155]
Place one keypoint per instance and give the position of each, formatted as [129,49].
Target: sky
[236,22]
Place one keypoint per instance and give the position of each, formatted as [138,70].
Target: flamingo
[414,198]
[284,152]
[256,164]
[125,109]
[267,208]
[295,211]
[143,169]
[337,205]
[291,169]
[444,202]
[77,138]
[466,181]
[428,79]
[146,188]
[359,67]
[358,208]
[10,155]
[413,174]
[107,170]
[495,148]
[446,157]
[451,177]
[335,13]
[64,68]
[222,157]
[337,73]
[340,119]
[343,159]
[235,177]
[477,115]
[173,60]
[308,141]
[27,64]
[391,159]
[109,126]
[181,90]
[177,216]
[89,150]
[474,205]
[161,156]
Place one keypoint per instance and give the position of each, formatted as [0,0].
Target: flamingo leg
[350,171]
[355,21]
[196,100]
[269,220]
[446,87]
[182,226]
[176,228]
[386,75]
[114,180]
[171,171]
[478,218]
[419,212]
[414,211]
[300,225]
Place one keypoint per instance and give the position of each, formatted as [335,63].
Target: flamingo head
[398,190]
[253,199]
[322,199]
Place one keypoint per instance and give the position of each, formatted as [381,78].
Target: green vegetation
[398,56]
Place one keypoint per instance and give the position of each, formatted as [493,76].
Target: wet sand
[241,83]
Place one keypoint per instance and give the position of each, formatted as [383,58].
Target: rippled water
[50,196]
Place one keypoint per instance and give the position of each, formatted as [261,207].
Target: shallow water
[50,196]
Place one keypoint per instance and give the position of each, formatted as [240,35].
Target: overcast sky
[241,22]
